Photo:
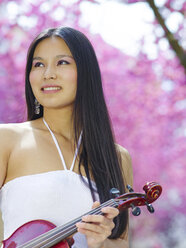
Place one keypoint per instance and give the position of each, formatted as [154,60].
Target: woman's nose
[49,74]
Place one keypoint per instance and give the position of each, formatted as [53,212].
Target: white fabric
[56,196]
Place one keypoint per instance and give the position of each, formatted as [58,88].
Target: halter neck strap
[59,150]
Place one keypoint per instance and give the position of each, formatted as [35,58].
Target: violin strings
[57,239]
[59,231]
[59,236]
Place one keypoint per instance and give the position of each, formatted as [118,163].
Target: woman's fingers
[110,212]
[94,231]
[99,223]
[96,219]
[98,228]
[95,204]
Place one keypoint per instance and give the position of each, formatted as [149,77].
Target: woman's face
[53,76]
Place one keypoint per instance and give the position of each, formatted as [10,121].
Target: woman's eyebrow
[58,56]
[64,55]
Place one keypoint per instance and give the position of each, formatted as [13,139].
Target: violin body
[29,231]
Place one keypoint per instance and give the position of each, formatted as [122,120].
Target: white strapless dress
[55,196]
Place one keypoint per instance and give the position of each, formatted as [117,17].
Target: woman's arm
[6,141]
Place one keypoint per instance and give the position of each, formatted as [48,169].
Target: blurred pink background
[146,97]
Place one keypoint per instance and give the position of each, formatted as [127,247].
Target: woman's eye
[63,62]
[38,64]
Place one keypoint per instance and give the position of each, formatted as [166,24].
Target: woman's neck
[60,121]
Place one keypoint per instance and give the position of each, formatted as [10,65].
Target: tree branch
[172,40]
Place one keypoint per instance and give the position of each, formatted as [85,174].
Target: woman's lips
[50,89]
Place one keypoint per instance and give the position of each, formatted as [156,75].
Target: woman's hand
[97,228]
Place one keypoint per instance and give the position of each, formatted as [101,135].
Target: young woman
[63,161]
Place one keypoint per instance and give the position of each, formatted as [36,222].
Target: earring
[37,107]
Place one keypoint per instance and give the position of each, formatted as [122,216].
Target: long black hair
[98,154]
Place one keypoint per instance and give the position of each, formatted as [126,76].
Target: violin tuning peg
[130,188]
[114,192]
[135,210]
[150,208]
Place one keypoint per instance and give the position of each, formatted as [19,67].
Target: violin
[44,234]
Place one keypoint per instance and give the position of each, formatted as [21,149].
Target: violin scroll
[153,191]
[135,200]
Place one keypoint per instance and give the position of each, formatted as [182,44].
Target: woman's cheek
[33,78]
[73,76]
[68,74]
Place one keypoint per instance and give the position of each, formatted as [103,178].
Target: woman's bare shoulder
[123,152]
[12,132]
[126,163]
[14,129]
[7,132]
